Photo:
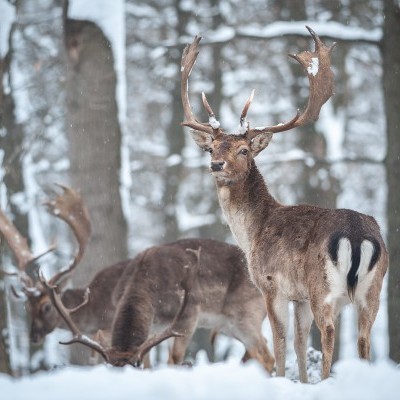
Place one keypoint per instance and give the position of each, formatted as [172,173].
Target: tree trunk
[95,146]
[391,86]
[95,143]
[11,142]
[175,141]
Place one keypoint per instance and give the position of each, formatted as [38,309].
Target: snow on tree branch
[7,12]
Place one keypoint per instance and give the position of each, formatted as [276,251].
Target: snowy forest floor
[230,380]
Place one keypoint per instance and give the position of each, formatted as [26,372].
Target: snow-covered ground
[351,379]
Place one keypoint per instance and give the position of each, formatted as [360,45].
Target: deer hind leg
[324,319]
[303,318]
[366,317]
[277,308]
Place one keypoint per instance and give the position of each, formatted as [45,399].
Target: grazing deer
[222,297]
[319,259]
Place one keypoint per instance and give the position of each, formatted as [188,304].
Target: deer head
[69,207]
[232,154]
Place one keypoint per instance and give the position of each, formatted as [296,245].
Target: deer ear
[202,139]
[260,142]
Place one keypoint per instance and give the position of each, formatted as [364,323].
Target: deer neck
[246,205]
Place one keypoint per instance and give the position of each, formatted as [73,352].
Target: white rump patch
[312,69]
[337,274]
[367,250]
[365,277]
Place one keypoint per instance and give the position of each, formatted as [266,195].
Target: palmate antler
[317,64]
[67,206]
[111,355]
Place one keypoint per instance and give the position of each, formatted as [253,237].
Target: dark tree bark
[175,139]
[391,86]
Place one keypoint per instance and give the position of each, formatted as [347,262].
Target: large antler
[189,57]
[109,354]
[19,247]
[317,64]
[65,314]
[69,207]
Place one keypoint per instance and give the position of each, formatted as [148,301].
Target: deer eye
[209,150]
[244,152]
[46,307]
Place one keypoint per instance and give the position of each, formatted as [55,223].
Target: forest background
[90,97]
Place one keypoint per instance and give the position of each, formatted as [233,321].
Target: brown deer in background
[222,297]
[320,259]
[149,305]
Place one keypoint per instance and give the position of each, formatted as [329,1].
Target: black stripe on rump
[355,243]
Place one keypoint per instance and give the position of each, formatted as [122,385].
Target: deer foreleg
[186,325]
[277,308]
[261,353]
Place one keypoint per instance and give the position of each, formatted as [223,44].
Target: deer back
[221,289]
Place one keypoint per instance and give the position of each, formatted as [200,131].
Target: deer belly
[291,289]
[210,320]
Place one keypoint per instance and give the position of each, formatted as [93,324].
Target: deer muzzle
[217,166]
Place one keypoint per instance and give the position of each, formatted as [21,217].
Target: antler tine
[189,57]
[243,125]
[317,64]
[65,314]
[246,107]
[214,123]
[17,243]
[186,284]
[69,207]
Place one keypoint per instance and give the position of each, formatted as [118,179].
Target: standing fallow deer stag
[320,259]
[222,298]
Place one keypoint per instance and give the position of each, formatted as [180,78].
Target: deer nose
[217,165]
